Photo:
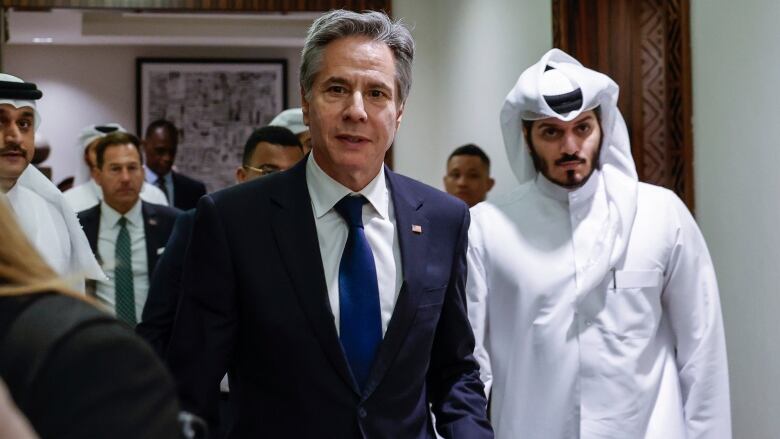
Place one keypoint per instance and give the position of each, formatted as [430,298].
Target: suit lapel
[413,242]
[296,236]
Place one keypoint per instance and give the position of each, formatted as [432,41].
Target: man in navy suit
[126,234]
[333,292]
[160,145]
[267,150]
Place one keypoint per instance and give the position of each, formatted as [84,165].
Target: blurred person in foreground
[73,370]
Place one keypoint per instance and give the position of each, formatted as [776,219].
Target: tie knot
[351,209]
[122,221]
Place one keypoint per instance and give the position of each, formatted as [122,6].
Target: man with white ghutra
[593,297]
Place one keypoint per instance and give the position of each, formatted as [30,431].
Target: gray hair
[375,25]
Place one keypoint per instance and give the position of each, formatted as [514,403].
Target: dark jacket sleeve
[102,381]
[455,389]
[165,287]
[204,330]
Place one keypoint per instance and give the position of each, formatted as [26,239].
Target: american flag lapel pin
[416,228]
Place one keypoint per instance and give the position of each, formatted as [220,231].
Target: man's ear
[304,107]
[97,175]
[240,174]
[400,115]
[491,182]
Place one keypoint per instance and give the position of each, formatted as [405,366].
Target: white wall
[85,85]
[736,68]
[469,55]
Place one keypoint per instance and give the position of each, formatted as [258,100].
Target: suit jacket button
[362,412]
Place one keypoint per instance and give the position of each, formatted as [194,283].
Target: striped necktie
[123,276]
[360,321]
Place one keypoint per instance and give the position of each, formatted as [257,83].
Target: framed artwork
[215,104]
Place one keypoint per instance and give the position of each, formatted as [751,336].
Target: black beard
[571,181]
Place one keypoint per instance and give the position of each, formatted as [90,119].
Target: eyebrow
[576,121]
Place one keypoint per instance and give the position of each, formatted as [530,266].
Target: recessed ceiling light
[43,40]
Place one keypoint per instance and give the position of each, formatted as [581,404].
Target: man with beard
[593,297]
[46,218]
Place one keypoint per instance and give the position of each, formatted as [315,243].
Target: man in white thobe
[41,210]
[593,297]
[88,194]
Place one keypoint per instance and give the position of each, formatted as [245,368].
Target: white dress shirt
[107,236]
[332,232]
[641,356]
[151,178]
[88,194]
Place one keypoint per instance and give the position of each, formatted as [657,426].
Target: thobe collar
[325,192]
[111,216]
[569,196]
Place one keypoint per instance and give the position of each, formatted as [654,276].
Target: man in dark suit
[160,145]
[267,150]
[333,293]
[127,235]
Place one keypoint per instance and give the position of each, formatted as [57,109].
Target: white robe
[52,227]
[642,355]
[89,194]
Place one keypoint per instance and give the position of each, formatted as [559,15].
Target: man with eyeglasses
[269,149]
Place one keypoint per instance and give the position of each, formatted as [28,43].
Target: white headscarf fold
[526,102]
[83,260]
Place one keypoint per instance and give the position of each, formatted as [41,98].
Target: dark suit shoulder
[91,213]
[160,210]
[435,202]
[189,182]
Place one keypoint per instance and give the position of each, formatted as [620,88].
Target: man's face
[468,178]
[160,151]
[121,176]
[17,145]
[270,158]
[353,111]
[566,152]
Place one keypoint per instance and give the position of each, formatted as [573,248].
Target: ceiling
[100,27]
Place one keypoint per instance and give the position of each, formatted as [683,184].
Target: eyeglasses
[263,170]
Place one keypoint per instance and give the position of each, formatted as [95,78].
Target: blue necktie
[360,319]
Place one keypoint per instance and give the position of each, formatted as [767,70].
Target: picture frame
[214,103]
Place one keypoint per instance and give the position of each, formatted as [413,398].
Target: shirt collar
[572,196]
[325,192]
[151,177]
[134,215]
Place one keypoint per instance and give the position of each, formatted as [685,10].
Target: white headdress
[560,81]
[291,119]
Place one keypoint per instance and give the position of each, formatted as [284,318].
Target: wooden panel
[208,5]
[645,47]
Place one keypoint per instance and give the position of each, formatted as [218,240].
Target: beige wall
[736,68]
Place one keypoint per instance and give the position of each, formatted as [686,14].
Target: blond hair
[22,269]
